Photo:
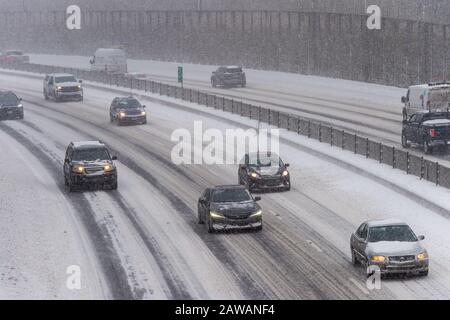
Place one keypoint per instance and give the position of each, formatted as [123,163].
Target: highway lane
[289,259]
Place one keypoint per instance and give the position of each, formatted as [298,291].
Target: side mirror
[405,121]
[404,100]
[144,106]
[243,167]
[287,165]
[80,81]
[114,157]
[20,99]
[421,238]
[91,61]
[257,198]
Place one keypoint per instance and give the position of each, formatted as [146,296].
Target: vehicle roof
[109,50]
[233,67]
[228,187]
[431,86]
[385,222]
[126,97]
[87,144]
[60,75]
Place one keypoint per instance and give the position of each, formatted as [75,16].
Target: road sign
[180,75]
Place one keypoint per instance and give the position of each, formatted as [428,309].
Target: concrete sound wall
[326,44]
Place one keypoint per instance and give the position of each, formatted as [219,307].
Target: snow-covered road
[143,241]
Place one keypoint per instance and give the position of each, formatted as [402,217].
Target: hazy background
[427,10]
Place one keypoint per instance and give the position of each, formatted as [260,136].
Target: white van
[109,60]
[426,97]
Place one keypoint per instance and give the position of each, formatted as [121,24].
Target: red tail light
[433,133]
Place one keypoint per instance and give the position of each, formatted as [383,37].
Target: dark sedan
[264,171]
[127,110]
[229,207]
[10,106]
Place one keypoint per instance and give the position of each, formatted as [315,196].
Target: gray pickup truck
[427,129]
[62,86]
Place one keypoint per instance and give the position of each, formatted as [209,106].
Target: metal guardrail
[384,154]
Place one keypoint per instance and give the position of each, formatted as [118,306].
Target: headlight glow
[378,258]
[143,113]
[422,256]
[254,175]
[257,214]
[58,88]
[285,173]
[122,114]
[78,169]
[216,215]
[108,168]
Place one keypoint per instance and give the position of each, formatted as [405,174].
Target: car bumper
[232,82]
[437,143]
[133,119]
[230,224]
[402,268]
[10,114]
[104,179]
[69,95]
[270,184]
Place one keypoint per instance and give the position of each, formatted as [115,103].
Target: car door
[359,241]
[67,161]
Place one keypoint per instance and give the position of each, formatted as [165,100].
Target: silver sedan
[391,245]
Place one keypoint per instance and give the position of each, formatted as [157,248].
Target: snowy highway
[370,110]
[143,241]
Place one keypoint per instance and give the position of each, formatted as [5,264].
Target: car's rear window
[234,70]
[230,195]
[91,154]
[8,99]
[392,233]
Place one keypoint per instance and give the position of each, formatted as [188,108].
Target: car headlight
[79,87]
[78,169]
[422,256]
[285,173]
[378,258]
[256,214]
[143,113]
[122,114]
[254,175]
[108,168]
[20,106]
[58,88]
[216,215]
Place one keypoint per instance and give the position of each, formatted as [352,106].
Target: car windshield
[230,195]
[264,160]
[91,154]
[65,79]
[130,104]
[8,99]
[392,233]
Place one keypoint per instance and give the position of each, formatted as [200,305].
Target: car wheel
[426,147]
[405,143]
[211,226]
[355,260]
[144,122]
[199,217]
[118,121]
[423,273]
[71,185]
[259,228]
[114,185]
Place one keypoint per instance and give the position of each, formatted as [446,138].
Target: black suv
[228,77]
[261,171]
[10,106]
[127,110]
[89,163]
[427,129]
[229,207]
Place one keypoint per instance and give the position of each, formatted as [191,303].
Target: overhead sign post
[180,76]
